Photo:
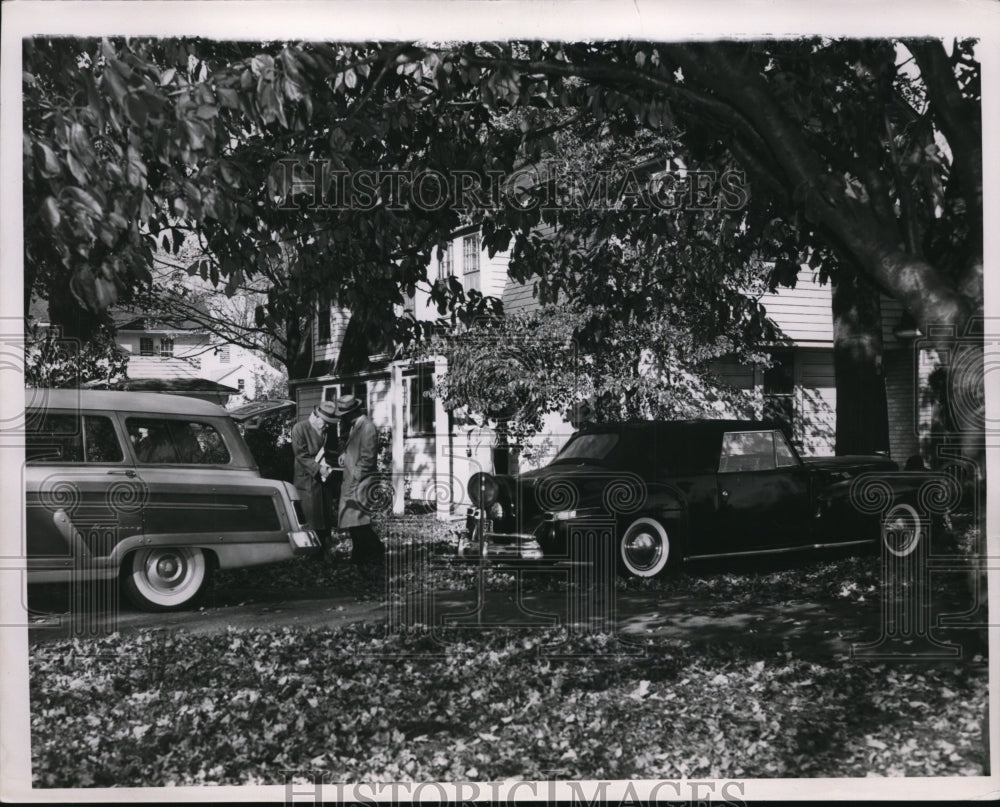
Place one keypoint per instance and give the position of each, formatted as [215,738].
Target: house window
[323,330]
[779,390]
[166,346]
[224,355]
[145,346]
[241,384]
[420,405]
[446,266]
[470,261]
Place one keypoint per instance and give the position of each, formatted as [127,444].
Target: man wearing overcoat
[360,462]
[311,468]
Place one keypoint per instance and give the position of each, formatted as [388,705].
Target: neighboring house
[168,352]
[428,452]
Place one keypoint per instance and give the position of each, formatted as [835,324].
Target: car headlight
[563,515]
[483,489]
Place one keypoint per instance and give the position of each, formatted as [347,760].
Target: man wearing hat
[311,468]
[360,462]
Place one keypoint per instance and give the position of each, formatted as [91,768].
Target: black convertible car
[667,491]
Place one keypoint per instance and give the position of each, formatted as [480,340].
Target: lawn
[359,704]
[248,707]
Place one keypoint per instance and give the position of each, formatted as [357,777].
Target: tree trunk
[862,414]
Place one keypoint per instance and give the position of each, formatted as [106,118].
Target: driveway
[821,629]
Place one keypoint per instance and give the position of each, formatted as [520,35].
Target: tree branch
[958,118]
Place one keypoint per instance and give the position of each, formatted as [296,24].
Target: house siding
[815,402]
[740,376]
[519,298]
[900,393]
[379,405]
[802,313]
[307,396]
[419,466]
[892,315]
[329,350]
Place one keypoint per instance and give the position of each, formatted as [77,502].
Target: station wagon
[157,489]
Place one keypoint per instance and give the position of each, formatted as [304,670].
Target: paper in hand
[324,469]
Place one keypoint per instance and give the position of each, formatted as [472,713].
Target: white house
[428,453]
[163,351]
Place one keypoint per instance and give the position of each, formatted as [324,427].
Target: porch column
[442,448]
[397,412]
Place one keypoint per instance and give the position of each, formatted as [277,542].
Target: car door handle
[128,473]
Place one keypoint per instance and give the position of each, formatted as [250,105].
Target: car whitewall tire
[165,578]
[644,548]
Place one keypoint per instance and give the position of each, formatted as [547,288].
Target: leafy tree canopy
[864,157]
[869,150]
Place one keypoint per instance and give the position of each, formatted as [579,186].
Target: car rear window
[162,441]
[64,437]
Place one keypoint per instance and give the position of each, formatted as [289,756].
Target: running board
[781,550]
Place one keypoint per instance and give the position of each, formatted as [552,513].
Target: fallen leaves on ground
[359,704]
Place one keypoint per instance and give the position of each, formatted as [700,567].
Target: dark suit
[316,503]
[360,464]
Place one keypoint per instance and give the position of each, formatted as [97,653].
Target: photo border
[441,21]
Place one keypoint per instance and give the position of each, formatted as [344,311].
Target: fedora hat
[326,411]
[346,405]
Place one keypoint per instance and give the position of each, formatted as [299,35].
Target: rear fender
[932,494]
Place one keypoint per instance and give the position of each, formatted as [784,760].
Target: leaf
[195,134]
[640,691]
[77,170]
[228,97]
[136,109]
[49,163]
[50,212]
[86,200]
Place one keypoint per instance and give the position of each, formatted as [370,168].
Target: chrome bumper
[304,542]
[501,545]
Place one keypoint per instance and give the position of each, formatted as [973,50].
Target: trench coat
[316,504]
[360,462]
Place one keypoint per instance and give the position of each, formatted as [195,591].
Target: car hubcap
[166,571]
[902,531]
[644,550]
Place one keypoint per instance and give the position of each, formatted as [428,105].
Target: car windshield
[593,447]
